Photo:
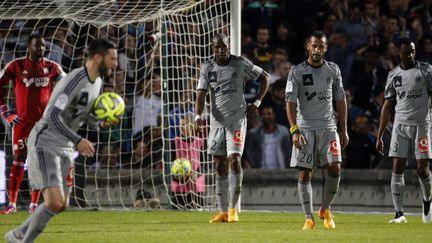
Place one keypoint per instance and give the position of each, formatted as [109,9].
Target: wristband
[197,117]
[257,103]
[294,129]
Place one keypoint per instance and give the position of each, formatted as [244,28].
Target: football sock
[35,197]
[235,186]
[397,189]
[38,222]
[425,185]
[305,192]
[222,192]
[15,178]
[331,186]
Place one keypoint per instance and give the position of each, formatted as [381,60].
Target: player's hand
[344,139]
[85,148]
[380,146]
[11,118]
[298,140]
[199,125]
[107,124]
[251,109]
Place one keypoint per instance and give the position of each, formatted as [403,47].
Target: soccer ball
[181,167]
[109,107]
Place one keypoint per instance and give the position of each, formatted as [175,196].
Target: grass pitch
[173,226]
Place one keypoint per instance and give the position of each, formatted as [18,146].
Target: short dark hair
[318,34]
[33,36]
[403,41]
[99,46]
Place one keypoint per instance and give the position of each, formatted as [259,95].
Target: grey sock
[397,189]
[305,192]
[222,193]
[331,187]
[39,220]
[22,229]
[425,185]
[235,186]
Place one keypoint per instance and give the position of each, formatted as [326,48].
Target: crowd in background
[361,37]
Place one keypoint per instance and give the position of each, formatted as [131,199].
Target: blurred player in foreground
[54,138]
[311,88]
[33,77]
[408,92]
[225,76]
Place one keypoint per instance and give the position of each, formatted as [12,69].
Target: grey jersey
[313,90]
[410,88]
[226,85]
[68,109]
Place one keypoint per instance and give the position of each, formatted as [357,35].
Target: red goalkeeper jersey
[33,83]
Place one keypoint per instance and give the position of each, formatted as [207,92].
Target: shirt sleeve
[428,77]
[389,91]
[203,78]
[338,90]
[252,72]
[291,90]
[6,74]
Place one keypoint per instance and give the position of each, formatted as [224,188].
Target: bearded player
[33,79]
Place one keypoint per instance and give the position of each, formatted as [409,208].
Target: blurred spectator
[147,148]
[183,107]
[353,110]
[262,12]
[392,29]
[424,51]
[388,58]
[330,20]
[280,55]
[371,19]
[290,42]
[361,152]
[424,11]
[261,53]
[281,71]
[269,145]
[276,99]
[374,108]
[339,53]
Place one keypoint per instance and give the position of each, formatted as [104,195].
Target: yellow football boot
[219,218]
[309,224]
[327,216]
[232,215]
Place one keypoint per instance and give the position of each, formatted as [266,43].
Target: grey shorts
[224,141]
[50,168]
[322,147]
[409,141]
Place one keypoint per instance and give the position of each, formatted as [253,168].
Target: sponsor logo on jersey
[401,94]
[39,82]
[309,96]
[307,80]
[226,88]
[397,81]
[423,145]
[335,147]
[414,94]
[238,137]
[324,95]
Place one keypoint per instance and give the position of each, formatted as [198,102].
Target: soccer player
[311,88]
[408,92]
[225,76]
[54,138]
[34,78]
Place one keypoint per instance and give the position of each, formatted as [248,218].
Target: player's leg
[217,148]
[235,135]
[330,155]
[398,149]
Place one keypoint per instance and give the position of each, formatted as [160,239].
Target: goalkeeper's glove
[11,118]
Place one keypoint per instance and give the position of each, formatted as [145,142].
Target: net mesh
[161,46]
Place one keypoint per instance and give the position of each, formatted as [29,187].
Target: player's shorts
[50,167]
[223,141]
[20,135]
[322,147]
[409,141]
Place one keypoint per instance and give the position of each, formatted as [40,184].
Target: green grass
[172,226]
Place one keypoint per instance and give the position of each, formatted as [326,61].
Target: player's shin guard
[426,185]
[305,193]
[397,189]
[235,185]
[35,197]
[331,187]
[15,177]
[39,220]
[222,192]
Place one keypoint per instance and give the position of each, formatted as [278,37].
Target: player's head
[407,51]
[220,47]
[103,53]
[36,47]
[317,47]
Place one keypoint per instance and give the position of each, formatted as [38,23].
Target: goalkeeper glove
[11,118]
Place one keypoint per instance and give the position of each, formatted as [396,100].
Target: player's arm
[386,112]
[341,107]
[200,97]
[253,72]
[59,74]
[6,75]
[291,95]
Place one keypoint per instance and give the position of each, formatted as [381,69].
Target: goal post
[161,46]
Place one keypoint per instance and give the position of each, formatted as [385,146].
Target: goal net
[161,45]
